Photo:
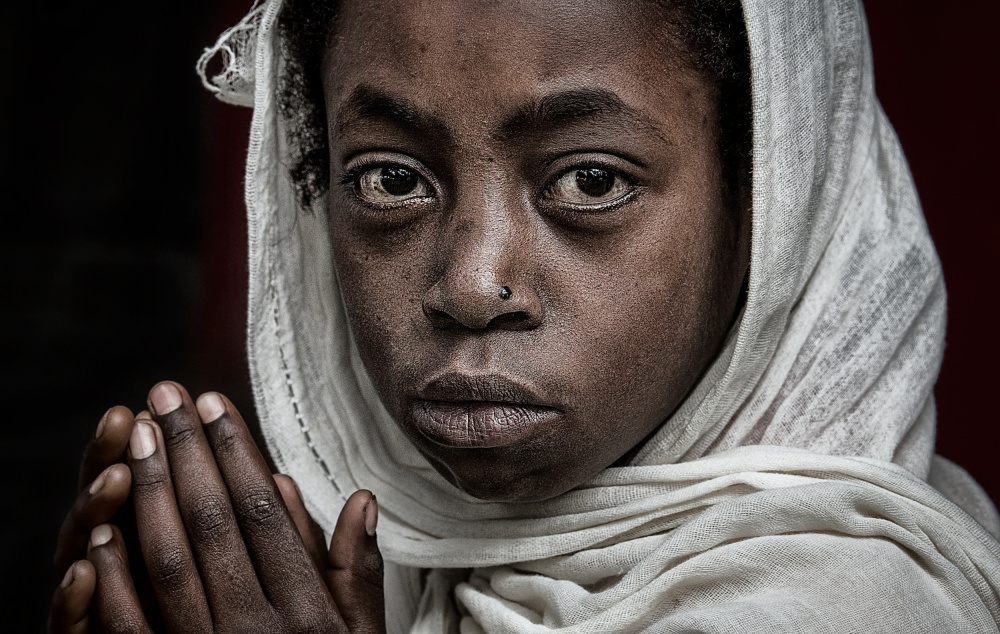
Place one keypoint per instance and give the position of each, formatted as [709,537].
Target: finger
[94,505]
[116,604]
[70,603]
[169,560]
[283,564]
[309,530]
[355,576]
[108,444]
[204,504]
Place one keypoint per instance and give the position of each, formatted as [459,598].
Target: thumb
[355,573]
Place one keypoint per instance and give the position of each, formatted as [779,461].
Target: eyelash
[350,181]
[610,205]
[351,175]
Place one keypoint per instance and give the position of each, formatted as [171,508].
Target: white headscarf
[786,494]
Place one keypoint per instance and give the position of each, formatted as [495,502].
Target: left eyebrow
[568,106]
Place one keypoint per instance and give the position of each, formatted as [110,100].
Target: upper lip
[493,388]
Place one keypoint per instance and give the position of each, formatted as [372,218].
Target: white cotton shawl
[788,493]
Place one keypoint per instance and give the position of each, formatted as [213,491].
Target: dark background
[123,240]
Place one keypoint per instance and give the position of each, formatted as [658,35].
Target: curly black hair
[712,34]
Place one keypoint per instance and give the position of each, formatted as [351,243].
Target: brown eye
[594,181]
[391,184]
[398,181]
[589,186]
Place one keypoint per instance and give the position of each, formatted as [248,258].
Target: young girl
[625,310]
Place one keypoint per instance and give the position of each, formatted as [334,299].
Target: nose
[479,303]
[484,282]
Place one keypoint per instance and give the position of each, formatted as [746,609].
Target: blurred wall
[123,250]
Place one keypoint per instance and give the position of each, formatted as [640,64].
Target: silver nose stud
[505,292]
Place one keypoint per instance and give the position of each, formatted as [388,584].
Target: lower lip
[479,424]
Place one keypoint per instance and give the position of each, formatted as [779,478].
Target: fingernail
[98,482]
[142,443]
[100,535]
[144,415]
[371,517]
[210,407]
[165,398]
[69,577]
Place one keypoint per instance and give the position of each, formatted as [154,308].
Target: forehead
[483,54]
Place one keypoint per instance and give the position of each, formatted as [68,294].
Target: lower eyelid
[571,210]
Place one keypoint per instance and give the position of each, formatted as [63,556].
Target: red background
[935,68]
[935,73]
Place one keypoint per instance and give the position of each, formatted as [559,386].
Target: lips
[458,410]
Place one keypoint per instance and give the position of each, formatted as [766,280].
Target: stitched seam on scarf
[292,396]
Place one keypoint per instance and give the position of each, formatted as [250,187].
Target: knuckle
[368,569]
[167,566]
[225,440]
[208,515]
[177,436]
[259,507]
[149,481]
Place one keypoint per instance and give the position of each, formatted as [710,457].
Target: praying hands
[227,547]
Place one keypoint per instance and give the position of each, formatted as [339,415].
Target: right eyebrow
[370,103]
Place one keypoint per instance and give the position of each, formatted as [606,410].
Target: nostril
[484,307]
[438,317]
[511,320]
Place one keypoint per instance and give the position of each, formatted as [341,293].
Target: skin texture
[225,545]
[525,327]
[614,312]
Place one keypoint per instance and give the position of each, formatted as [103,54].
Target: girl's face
[530,229]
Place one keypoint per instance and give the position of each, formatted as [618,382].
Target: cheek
[381,296]
[645,322]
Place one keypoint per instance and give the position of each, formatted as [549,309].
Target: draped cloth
[788,493]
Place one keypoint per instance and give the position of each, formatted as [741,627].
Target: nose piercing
[505,292]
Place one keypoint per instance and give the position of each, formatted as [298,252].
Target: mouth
[458,410]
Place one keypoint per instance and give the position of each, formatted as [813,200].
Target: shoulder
[817,582]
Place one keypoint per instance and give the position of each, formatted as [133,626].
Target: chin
[494,477]
[521,491]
